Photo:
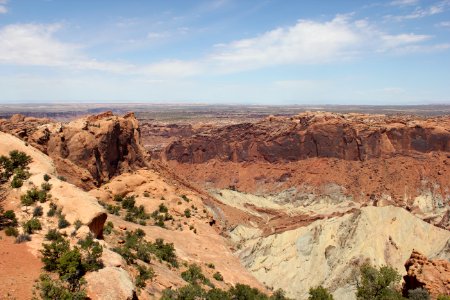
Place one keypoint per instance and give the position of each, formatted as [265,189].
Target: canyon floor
[273,198]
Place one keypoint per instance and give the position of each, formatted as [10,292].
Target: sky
[225,51]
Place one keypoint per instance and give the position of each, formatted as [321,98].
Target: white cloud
[3,8]
[419,12]
[404,2]
[395,41]
[445,24]
[307,42]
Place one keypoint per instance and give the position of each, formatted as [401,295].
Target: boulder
[110,283]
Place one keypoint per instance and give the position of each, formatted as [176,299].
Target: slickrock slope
[329,251]
[88,151]
[433,275]
[349,137]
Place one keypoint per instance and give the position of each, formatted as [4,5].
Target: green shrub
[62,178]
[50,288]
[185,198]
[419,294]
[31,226]
[19,159]
[93,249]
[243,291]
[165,252]
[8,219]
[377,284]
[47,177]
[78,224]
[194,275]
[217,276]
[52,211]
[211,265]
[38,211]
[319,293]
[128,202]
[187,213]
[62,222]
[118,198]
[144,274]
[16,182]
[146,194]
[443,297]
[11,231]
[53,235]
[107,230]
[45,186]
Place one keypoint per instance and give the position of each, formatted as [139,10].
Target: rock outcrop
[349,137]
[87,151]
[432,275]
[110,283]
[329,252]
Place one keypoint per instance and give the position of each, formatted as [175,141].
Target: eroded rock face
[87,151]
[349,137]
[433,275]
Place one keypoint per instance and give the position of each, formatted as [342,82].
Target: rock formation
[432,275]
[349,137]
[87,151]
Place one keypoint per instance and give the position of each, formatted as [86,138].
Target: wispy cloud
[420,12]
[305,42]
[404,2]
[3,7]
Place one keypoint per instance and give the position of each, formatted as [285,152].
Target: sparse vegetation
[38,211]
[53,209]
[47,177]
[33,195]
[24,237]
[378,283]
[31,226]
[419,294]
[11,231]
[217,276]
[319,293]
[187,213]
[16,164]
[107,230]
[62,222]
[194,275]
[145,273]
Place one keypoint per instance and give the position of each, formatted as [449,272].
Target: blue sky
[225,51]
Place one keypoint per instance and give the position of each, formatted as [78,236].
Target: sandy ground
[18,269]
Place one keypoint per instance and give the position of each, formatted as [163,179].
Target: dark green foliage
[112,209]
[31,225]
[144,274]
[187,213]
[378,283]
[243,291]
[319,293]
[128,202]
[70,267]
[53,235]
[443,297]
[217,276]
[93,252]
[161,215]
[185,198]
[52,252]
[279,295]
[8,219]
[16,182]
[194,276]
[217,294]
[38,211]
[137,215]
[32,196]
[211,265]
[19,159]
[136,247]
[146,194]
[188,292]
[23,238]
[118,198]
[47,177]
[52,211]
[78,224]
[62,222]
[62,178]
[45,186]
[50,289]
[11,231]
[419,294]
[108,228]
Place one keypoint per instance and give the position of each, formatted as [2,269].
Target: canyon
[279,202]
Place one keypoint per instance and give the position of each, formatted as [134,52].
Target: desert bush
[47,177]
[11,231]
[31,225]
[78,224]
[8,219]
[128,202]
[217,276]
[16,182]
[194,275]
[62,222]
[419,294]
[62,178]
[93,252]
[185,198]
[53,235]
[45,186]
[144,274]
[52,211]
[319,293]
[38,211]
[187,213]
[50,288]
[118,198]
[146,194]
[24,237]
[443,297]
[108,228]
[377,284]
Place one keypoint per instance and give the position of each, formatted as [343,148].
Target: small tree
[378,284]
[418,294]
[319,293]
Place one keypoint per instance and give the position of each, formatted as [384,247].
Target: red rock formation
[349,137]
[88,151]
[433,275]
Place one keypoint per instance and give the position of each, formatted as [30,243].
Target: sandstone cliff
[349,137]
[87,151]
